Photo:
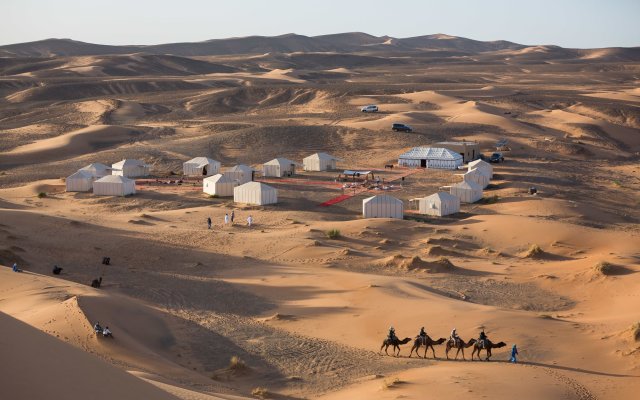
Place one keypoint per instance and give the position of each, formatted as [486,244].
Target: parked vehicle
[369,108]
[401,128]
[496,158]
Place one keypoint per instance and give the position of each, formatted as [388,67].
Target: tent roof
[218,178]
[281,162]
[96,167]
[81,174]
[256,186]
[383,197]
[202,161]
[442,196]
[467,185]
[479,164]
[115,179]
[129,162]
[240,167]
[324,156]
[438,153]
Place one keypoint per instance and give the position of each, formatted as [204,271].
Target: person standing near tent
[233,215]
[226,219]
[209,222]
[249,221]
[514,354]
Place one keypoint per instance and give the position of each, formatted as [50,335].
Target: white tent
[320,162]
[279,167]
[219,185]
[467,191]
[382,206]
[477,176]
[255,193]
[201,166]
[439,204]
[240,173]
[97,170]
[430,157]
[483,166]
[114,185]
[130,168]
[81,181]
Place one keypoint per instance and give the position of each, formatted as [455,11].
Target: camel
[488,346]
[426,342]
[395,342]
[96,283]
[460,345]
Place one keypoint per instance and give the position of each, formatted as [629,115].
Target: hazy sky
[568,23]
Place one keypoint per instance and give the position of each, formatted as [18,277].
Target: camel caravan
[454,342]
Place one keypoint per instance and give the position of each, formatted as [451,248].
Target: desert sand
[280,310]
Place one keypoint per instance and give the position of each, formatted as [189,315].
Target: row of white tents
[105,180]
[439,204]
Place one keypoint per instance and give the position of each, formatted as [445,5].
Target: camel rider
[454,337]
[422,333]
[482,339]
[392,333]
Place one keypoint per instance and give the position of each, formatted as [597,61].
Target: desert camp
[236,200]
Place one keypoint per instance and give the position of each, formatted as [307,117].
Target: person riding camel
[392,334]
[454,337]
[482,339]
[422,333]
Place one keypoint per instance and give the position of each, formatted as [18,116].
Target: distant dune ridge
[291,43]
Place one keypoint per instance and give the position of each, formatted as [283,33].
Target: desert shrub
[260,392]
[42,195]
[604,267]
[391,383]
[236,364]
[635,331]
[533,251]
[333,234]
[213,196]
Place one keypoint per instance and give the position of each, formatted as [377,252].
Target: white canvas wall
[80,181]
[219,185]
[435,164]
[240,174]
[467,192]
[482,166]
[439,204]
[382,206]
[278,167]
[97,170]
[319,162]
[130,168]
[114,186]
[271,170]
[255,193]
[201,166]
[477,176]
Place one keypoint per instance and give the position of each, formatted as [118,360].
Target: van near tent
[382,206]
[114,185]
[200,166]
[467,191]
[439,204]
[256,193]
[130,168]
[430,157]
[81,181]
[320,162]
[219,185]
[279,167]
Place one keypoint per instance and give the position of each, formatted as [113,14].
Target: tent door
[423,163]
[204,170]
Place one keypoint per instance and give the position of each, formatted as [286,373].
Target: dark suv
[496,158]
[401,128]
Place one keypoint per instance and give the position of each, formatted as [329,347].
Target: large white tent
[320,162]
[114,185]
[483,166]
[467,191]
[279,167]
[382,206]
[430,157]
[81,181]
[201,166]
[240,173]
[219,185]
[255,193]
[477,176]
[130,168]
[97,170]
[439,204]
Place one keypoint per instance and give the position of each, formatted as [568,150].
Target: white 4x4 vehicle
[369,108]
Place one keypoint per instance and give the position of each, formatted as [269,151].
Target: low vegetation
[213,196]
[260,392]
[42,195]
[236,364]
[533,251]
[391,383]
[333,234]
